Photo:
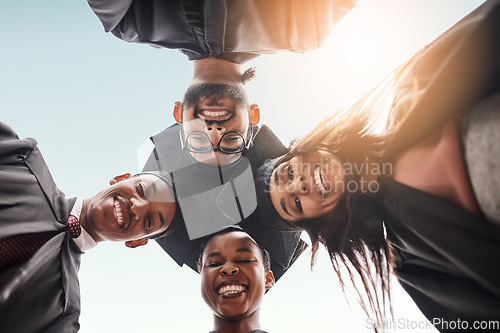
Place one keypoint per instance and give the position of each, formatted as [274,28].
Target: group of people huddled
[224,196]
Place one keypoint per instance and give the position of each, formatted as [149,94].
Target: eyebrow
[244,249]
[283,205]
[162,220]
[240,250]
[213,254]
[276,177]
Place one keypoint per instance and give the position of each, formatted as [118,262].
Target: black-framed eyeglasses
[230,143]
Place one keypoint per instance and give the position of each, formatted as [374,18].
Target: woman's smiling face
[233,276]
[307,187]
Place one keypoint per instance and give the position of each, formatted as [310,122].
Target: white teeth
[118,212]
[231,289]
[207,113]
[318,179]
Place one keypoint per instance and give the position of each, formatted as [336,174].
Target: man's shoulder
[167,154]
[266,146]
[11,145]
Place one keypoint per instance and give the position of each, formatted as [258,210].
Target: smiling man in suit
[43,234]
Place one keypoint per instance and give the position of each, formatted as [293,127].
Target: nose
[139,207]
[215,132]
[298,185]
[229,269]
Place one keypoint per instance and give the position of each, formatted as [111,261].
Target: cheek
[311,204]
[191,125]
[258,276]
[242,122]
[206,290]
[97,210]
[258,289]
[187,127]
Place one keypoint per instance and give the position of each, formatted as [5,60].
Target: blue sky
[90,100]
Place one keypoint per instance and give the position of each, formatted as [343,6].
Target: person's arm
[13,149]
[110,12]
[457,70]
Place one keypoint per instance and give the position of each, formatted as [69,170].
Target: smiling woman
[304,187]
[399,224]
[235,275]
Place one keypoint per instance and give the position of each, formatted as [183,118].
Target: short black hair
[266,257]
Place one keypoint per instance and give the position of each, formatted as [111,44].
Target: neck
[84,221]
[245,325]
[212,70]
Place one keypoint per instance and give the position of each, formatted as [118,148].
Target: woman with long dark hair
[413,199]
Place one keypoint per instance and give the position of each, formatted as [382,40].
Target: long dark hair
[353,233]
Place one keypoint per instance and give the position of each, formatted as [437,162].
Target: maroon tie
[74,227]
[17,249]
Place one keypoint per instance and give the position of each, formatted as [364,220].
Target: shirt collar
[84,241]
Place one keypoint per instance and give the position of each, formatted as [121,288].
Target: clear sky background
[91,99]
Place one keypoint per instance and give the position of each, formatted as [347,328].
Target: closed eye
[214,264]
[245,261]
[231,138]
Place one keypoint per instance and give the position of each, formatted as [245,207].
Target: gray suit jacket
[42,294]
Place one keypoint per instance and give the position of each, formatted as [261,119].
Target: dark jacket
[42,294]
[233,30]
[445,256]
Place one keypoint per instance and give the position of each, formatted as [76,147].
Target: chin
[231,315]
[222,160]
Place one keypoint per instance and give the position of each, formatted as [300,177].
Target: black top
[446,258]
[191,177]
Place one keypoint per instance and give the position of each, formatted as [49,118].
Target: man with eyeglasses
[208,155]
[213,185]
[219,37]
[216,122]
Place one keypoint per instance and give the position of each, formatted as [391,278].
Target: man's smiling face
[215,109]
[130,209]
